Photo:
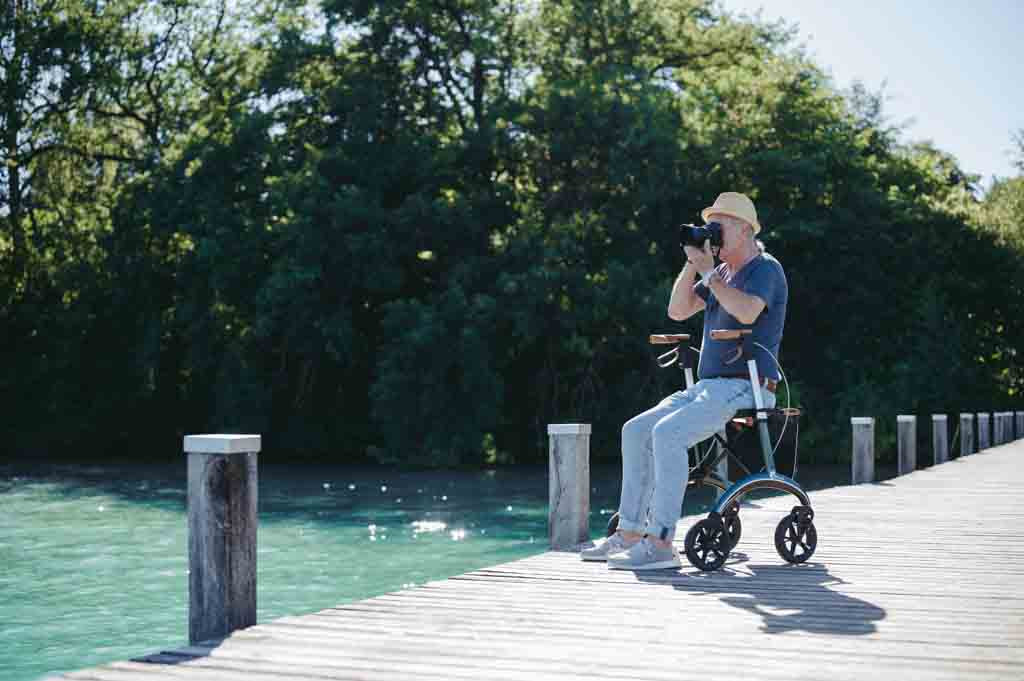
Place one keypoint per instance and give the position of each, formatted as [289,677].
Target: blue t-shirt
[762,277]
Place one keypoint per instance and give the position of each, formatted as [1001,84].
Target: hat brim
[711,209]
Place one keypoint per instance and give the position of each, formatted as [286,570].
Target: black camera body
[690,235]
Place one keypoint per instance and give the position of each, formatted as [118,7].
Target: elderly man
[748,290]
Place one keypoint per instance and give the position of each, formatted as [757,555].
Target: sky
[953,69]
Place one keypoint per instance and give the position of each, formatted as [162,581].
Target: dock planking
[918,577]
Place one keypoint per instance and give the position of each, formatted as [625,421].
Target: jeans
[655,464]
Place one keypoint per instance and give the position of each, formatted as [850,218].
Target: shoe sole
[662,565]
[594,559]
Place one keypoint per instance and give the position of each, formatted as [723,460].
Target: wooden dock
[919,577]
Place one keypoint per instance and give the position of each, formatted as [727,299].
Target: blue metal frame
[760,481]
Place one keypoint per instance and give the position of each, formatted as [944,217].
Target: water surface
[94,558]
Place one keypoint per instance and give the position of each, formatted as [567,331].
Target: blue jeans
[655,465]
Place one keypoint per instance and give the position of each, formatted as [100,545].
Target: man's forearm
[743,306]
[684,303]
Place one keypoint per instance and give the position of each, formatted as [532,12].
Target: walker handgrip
[729,334]
[668,338]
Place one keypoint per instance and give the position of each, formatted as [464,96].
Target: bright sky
[955,68]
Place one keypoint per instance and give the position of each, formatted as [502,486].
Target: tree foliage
[417,231]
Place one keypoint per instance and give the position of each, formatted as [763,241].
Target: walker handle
[730,334]
[668,338]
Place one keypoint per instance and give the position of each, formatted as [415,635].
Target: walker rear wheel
[708,544]
[795,536]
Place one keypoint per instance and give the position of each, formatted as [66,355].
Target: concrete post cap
[222,444]
[568,429]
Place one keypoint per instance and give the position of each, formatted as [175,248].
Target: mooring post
[863,463]
[984,431]
[1000,428]
[1020,425]
[568,485]
[966,434]
[940,438]
[222,489]
[906,439]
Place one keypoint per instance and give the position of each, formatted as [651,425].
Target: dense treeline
[418,231]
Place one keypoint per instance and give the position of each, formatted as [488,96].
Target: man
[747,291]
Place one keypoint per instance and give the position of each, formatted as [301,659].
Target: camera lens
[689,235]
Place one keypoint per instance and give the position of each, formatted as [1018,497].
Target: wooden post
[863,463]
[222,487]
[984,432]
[940,438]
[1020,425]
[568,485]
[906,438]
[997,429]
[966,434]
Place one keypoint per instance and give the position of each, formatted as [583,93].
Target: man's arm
[684,302]
[745,307]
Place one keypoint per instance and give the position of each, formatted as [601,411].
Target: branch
[89,156]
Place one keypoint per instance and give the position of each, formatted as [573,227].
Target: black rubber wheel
[795,540]
[734,528]
[708,544]
[613,525]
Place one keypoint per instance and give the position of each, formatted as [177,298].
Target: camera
[690,235]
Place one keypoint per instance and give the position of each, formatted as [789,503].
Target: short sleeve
[765,283]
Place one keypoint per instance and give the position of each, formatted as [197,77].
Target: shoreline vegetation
[415,233]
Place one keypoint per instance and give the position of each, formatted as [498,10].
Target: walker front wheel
[708,544]
[733,526]
[795,536]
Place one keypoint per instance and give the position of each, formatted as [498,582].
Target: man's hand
[702,259]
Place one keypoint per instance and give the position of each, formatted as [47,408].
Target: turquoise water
[94,558]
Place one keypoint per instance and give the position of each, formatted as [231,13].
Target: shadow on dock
[786,597]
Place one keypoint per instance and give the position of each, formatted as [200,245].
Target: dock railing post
[862,467]
[568,485]
[984,431]
[1020,425]
[906,439]
[966,434]
[940,438]
[1000,428]
[222,502]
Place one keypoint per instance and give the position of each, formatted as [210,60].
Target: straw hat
[736,205]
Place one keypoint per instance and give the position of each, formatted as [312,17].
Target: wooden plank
[920,577]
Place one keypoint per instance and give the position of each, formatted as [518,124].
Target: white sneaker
[645,555]
[606,547]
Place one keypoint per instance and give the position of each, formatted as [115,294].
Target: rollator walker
[709,541]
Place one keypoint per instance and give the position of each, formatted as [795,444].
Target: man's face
[735,233]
